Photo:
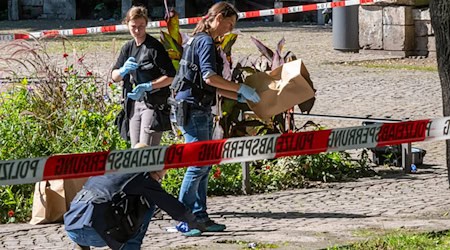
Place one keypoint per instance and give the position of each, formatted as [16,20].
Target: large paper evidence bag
[282,89]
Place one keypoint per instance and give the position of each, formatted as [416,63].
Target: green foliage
[172,181]
[277,174]
[402,240]
[225,179]
[393,64]
[15,205]
[62,111]
[333,166]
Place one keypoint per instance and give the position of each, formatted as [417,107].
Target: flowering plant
[50,104]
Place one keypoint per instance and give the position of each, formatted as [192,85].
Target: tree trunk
[440,20]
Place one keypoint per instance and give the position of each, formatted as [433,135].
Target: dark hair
[224,8]
[134,13]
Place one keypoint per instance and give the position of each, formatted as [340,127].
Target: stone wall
[424,34]
[396,27]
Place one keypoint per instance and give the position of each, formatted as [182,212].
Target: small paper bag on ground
[52,199]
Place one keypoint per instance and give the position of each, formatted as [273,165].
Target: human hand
[248,93]
[129,65]
[138,92]
[158,175]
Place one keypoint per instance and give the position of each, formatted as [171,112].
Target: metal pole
[278,18]
[246,188]
[345,28]
[406,157]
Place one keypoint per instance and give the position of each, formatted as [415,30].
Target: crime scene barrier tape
[221,151]
[184,21]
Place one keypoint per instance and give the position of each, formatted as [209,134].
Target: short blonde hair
[136,12]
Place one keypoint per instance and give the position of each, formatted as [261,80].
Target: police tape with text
[221,151]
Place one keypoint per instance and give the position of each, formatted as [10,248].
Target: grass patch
[401,67]
[402,240]
[251,245]
[428,64]
[97,42]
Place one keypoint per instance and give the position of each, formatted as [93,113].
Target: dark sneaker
[211,226]
[192,233]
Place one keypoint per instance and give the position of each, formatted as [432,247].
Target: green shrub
[278,174]
[15,203]
[62,111]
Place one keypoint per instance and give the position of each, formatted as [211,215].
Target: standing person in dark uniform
[147,72]
[115,210]
[196,84]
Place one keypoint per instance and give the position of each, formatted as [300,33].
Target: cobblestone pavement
[329,214]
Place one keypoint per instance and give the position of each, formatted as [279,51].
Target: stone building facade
[47,9]
[398,27]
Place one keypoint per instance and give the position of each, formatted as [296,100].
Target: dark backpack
[202,92]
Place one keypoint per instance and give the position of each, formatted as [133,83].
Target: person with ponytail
[195,86]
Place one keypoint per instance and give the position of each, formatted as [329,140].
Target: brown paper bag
[52,199]
[281,89]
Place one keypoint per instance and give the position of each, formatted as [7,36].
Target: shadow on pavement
[291,215]
[398,173]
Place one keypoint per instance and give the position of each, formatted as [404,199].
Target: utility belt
[181,109]
[156,97]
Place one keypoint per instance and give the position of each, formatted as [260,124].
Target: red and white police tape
[221,151]
[183,21]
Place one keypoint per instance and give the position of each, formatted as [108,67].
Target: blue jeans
[194,187]
[87,236]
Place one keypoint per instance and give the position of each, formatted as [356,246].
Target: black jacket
[92,205]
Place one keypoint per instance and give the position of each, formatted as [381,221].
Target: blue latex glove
[138,92]
[128,66]
[241,98]
[249,93]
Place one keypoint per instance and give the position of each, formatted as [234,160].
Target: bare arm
[115,76]
[227,94]
[220,83]
[162,82]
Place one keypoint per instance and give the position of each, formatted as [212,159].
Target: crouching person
[115,210]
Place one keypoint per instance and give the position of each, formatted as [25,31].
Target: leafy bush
[278,174]
[64,110]
[15,203]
